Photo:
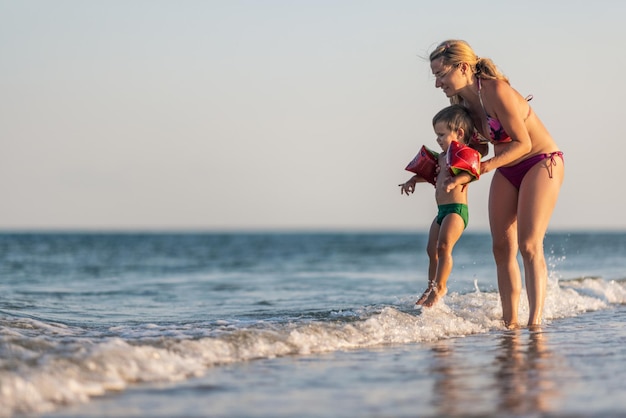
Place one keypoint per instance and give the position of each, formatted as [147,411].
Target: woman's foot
[511,325]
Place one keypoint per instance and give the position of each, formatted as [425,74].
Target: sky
[284,114]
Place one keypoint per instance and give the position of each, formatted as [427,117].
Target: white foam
[73,373]
[596,288]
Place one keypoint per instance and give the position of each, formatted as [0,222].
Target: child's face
[444,135]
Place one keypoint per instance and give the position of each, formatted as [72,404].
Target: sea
[301,324]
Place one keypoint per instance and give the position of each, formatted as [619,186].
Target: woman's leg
[537,198]
[503,223]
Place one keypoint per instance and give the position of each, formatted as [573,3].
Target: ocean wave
[45,365]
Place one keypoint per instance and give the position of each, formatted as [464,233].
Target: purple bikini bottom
[515,173]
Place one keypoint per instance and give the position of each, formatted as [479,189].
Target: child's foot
[434,296]
[424,296]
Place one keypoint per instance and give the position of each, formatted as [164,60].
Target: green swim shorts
[460,208]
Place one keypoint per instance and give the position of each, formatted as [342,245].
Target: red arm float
[424,164]
[463,158]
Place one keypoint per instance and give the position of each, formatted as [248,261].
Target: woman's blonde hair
[454,52]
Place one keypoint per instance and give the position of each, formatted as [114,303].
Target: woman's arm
[505,104]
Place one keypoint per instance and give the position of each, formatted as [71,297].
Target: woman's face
[446,77]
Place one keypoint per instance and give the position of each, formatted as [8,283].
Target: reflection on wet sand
[514,377]
[524,373]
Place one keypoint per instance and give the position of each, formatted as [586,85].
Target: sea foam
[62,366]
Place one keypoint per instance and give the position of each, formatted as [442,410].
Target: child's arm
[462,178]
[409,187]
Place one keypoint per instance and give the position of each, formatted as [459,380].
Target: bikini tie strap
[553,161]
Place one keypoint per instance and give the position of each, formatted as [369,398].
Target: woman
[529,170]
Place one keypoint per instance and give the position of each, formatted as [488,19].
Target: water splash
[45,365]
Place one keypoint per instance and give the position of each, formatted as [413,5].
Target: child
[452,123]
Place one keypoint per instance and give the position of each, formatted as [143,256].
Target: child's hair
[455,117]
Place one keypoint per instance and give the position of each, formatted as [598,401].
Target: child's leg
[451,230]
[431,250]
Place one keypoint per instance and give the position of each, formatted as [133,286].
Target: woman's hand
[485,166]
